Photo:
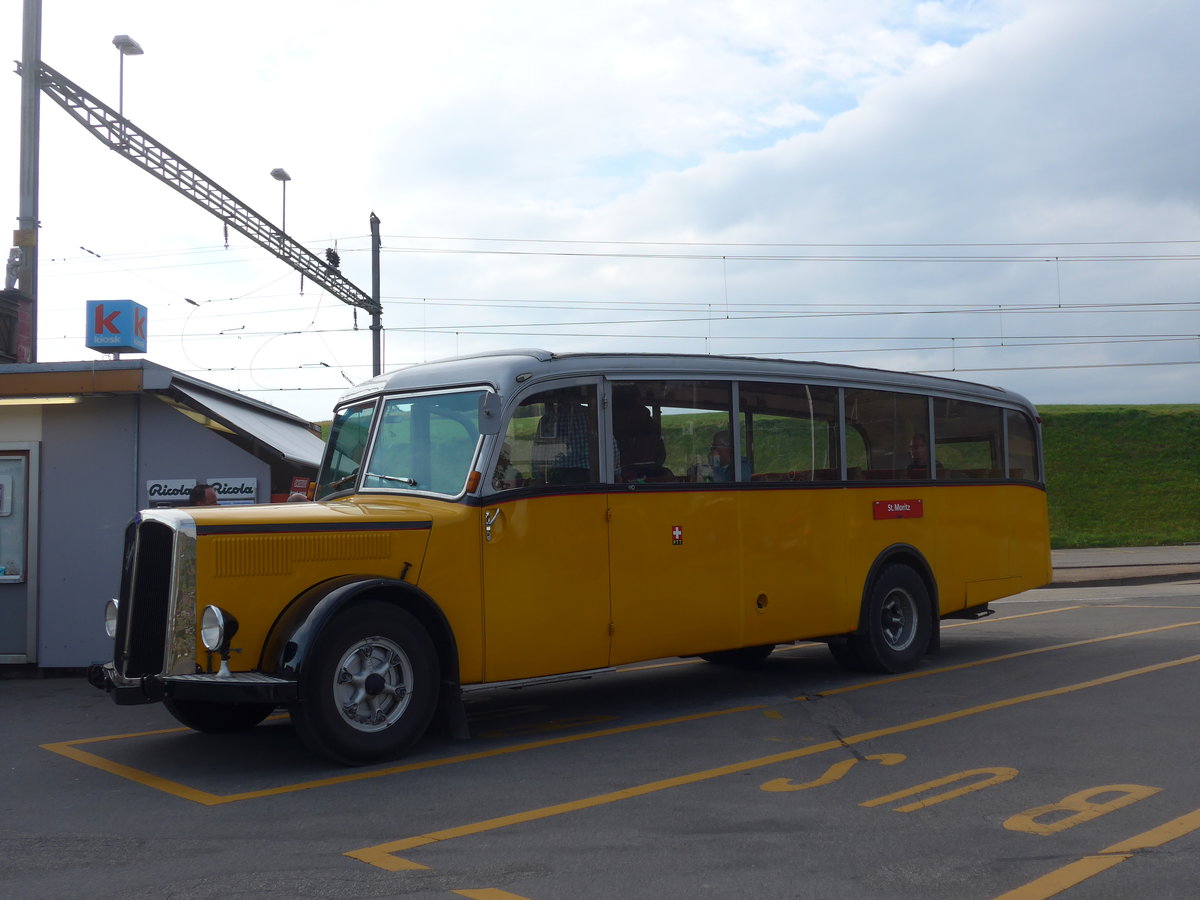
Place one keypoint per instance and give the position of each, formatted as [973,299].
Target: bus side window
[794,430]
[887,422]
[550,439]
[968,439]
[668,431]
[1022,448]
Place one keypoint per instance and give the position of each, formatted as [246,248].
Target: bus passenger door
[676,568]
[545,541]
[674,536]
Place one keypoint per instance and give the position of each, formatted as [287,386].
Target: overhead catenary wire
[684,312]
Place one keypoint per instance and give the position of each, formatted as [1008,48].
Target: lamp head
[127,45]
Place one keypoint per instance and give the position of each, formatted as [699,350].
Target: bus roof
[506,370]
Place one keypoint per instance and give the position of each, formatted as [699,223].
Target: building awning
[291,439]
[270,433]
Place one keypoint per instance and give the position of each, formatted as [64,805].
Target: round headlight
[212,628]
[110,618]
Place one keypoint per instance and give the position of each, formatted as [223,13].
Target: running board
[518,683]
[975,612]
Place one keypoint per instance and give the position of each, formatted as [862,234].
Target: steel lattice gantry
[121,135]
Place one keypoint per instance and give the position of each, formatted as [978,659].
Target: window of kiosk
[13,509]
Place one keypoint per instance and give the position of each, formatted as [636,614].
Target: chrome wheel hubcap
[899,619]
[373,683]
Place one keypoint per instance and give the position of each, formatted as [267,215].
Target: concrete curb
[1107,567]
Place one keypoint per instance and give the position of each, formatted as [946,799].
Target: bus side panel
[451,576]
[676,566]
[993,542]
[981,542]
[795,554]
[1030,543]
[546,585]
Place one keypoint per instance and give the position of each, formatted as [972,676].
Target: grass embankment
[1120,476]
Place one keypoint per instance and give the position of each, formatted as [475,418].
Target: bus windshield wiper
[337,484]
[411,482]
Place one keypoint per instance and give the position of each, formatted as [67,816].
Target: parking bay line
[383,855]
[1079,871]
[72,749]
[1006,656]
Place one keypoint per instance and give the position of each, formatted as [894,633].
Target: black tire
[844,654]
[742,656]
[897,619]
[370,688]
[218,718]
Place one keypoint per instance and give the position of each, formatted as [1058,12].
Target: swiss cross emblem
[676,535]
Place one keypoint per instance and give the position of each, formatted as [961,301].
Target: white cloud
[728,123]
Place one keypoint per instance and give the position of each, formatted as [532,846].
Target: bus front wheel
[217,718]
[371,687]
[896,622]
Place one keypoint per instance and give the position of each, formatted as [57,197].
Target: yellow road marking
[1144,606]
[1080,870]
[989,619]
[996,775]
[488,894]
[1006,656]
[70,749]
[382,855]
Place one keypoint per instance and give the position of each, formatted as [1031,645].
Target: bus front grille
[143,610]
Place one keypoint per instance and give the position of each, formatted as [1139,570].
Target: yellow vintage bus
[515,517]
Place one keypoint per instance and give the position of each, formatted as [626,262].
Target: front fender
[295,632]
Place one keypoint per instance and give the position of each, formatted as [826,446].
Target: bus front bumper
[236,687]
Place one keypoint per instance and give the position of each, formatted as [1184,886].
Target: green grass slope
[1120,476]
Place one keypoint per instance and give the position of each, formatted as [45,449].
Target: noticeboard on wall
[13,515]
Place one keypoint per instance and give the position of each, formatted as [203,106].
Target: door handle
[489,519]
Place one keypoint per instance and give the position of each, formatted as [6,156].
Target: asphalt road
[1048,748]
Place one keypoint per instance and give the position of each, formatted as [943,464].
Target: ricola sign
[236,491]
[115,326]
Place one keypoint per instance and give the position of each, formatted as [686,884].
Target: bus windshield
[424,443]
[344,452]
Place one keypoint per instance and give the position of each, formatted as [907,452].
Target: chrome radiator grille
[158,571]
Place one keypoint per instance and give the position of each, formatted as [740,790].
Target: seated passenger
[720,456]
[639,449]
[562,445]
[918,450]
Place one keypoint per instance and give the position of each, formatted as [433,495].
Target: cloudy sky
[1005,190]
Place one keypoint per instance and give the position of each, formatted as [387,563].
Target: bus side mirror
[489,413]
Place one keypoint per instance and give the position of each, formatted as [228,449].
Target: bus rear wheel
[897,621]
[370,688]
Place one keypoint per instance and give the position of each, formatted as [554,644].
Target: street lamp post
[126,46]
[283,178]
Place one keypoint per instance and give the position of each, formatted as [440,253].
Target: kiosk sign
[115,326]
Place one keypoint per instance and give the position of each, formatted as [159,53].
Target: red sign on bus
[899,509]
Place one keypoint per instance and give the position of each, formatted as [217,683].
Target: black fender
[906,554]
[297,629]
